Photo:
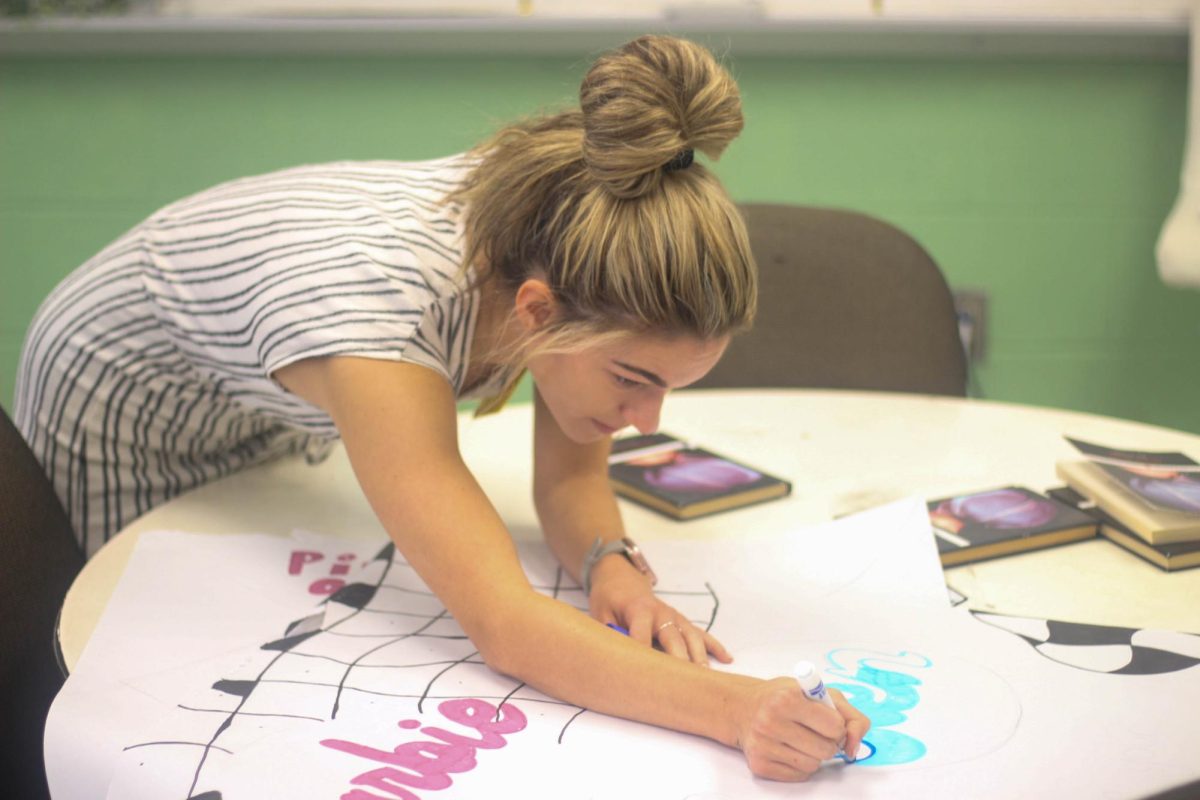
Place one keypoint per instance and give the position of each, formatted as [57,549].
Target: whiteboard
[1060,28]
[1120,13]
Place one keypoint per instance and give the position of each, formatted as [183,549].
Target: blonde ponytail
[605,204]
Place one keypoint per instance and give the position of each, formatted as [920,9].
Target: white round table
[843,452]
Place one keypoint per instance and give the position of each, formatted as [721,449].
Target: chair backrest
[38,560]
[846,301]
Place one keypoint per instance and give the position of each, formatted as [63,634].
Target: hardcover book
[1169,557]
[670,476]
[1155,495]
[1000,522]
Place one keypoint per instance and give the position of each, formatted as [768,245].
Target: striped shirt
[148,371]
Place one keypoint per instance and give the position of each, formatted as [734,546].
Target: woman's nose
[644,413]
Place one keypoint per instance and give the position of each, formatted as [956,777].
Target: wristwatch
[625,547]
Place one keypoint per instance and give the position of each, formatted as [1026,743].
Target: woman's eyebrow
[650,376]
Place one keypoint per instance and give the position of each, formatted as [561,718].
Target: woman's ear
[534,305]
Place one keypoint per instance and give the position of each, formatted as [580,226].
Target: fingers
[819,719]
[857,723]
[672,639]
[697,650]
[684,640]
[714,647]
[779,762]
[675,635]
[789,736]
[783,749]
[640,630]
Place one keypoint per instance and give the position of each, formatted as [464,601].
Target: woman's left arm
[575,505]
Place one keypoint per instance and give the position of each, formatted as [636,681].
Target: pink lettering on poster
[326,585]
[428,763]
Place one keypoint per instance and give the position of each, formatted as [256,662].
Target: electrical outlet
[971,307]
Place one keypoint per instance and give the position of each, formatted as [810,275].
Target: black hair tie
[682,160]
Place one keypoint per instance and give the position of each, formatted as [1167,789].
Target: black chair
[846,301]
[38,560]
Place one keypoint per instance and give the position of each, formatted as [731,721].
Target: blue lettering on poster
[884,695]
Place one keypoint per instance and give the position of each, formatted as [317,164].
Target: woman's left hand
[622,595]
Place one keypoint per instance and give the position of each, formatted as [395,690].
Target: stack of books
[1146,502]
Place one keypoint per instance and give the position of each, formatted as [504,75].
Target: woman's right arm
[399,425]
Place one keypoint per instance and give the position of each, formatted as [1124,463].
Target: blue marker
[618,628]
[814,689]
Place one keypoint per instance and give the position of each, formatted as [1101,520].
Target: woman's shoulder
[446,172]
[426,182]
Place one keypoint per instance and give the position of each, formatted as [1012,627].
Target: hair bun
[646,102]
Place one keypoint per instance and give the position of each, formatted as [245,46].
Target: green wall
[1043,182]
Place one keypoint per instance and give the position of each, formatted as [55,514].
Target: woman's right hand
[785,736]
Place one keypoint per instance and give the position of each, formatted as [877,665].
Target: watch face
[634,554]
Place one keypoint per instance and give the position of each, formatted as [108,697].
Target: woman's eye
[626,382]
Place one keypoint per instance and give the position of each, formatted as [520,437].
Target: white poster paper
[376,693]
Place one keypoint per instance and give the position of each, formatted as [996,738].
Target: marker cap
[804,670]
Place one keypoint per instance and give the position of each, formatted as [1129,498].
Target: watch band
[626,547]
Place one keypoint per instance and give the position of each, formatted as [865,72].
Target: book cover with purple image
[665,474]
[998,522]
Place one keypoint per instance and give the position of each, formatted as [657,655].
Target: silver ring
[665,624]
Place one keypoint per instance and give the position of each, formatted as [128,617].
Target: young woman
[360,301]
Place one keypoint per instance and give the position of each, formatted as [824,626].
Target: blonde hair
[594,200]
